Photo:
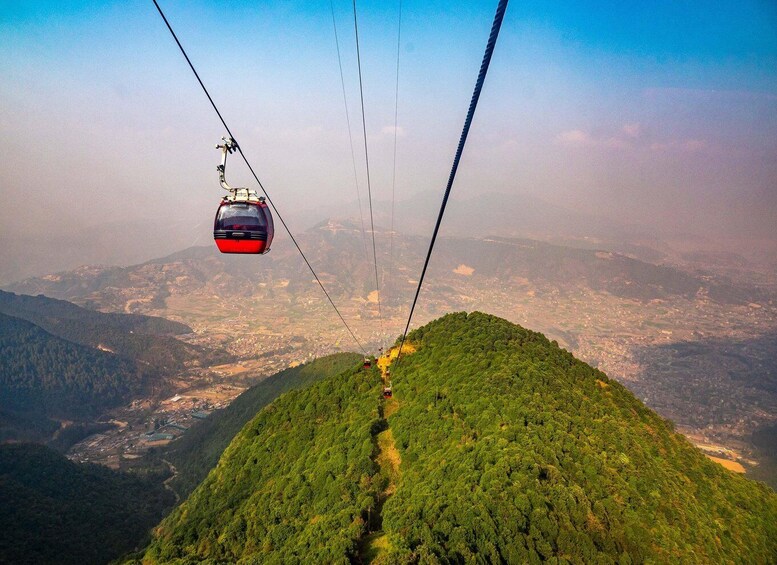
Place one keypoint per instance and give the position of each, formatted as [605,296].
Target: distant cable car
[387,391]
[243,221]
[367,363]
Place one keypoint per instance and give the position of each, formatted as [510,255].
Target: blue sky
[664,112]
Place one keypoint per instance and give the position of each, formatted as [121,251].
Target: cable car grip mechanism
[236,194]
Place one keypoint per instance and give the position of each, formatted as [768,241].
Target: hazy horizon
[661,115]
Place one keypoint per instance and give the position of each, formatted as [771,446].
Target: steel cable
[367,161]
[250,168]
[348,124]
[495,27]
[394,166]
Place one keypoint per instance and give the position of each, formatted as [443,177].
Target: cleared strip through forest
[387,457]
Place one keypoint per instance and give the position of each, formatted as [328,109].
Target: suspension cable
[394,168]
[495,27]
[367,160]
[250,168]
[348,123]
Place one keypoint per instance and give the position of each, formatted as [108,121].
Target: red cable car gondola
[243,226]
[243,221]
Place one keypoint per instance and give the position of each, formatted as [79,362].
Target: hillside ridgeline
[336,247]
[147,339]
[291,487]
[59,361]
[511,450]
[198,451]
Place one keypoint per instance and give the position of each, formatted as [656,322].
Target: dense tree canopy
[57,511]
[515,451]
[511,451]
[44,374]
[199,449]
[291,487]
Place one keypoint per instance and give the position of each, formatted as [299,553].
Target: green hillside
[45,379]
[56,511]
[292,486]
[146,339]
[199,449]
[511,451]
[43,374]
[40,308]
[61,361]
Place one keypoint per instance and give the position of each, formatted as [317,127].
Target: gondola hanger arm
[235,193]
[229,146]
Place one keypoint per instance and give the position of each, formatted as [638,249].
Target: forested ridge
[57,511]
[46,374]
[61,361]
[291,487]
[198,451]
[147,339]
[514,450]
[511,451]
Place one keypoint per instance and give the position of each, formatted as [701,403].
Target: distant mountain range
[524,215]
[502,214]
[607,307]
[336,249]
[517,214]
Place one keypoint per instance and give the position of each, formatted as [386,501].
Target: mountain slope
[56,511]
[291,487]
[195,453]
[146,339]
[511,450]
[59,360]
[546,457]
[42,373]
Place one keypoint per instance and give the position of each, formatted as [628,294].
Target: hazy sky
[661,113]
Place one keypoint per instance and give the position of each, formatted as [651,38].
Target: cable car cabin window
[241,217]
